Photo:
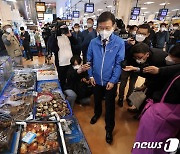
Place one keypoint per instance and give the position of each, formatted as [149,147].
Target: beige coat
[13,49]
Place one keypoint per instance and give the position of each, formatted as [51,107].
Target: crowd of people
[93,61]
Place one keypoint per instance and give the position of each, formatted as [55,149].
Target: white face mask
[105,34]
[140,61]
[169,61]
[140,37]
[175,28]
[9,30]
[76,67]
[134,33]
[89,25]
[163,29]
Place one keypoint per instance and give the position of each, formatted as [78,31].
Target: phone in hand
[89,63]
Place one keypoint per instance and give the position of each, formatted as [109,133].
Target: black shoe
[129,102]
[31,59]
[120,102]
[109,137]
[27,59]
[94,119]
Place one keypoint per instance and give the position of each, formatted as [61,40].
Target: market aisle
[125,129]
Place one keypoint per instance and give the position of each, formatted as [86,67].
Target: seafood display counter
[35,116]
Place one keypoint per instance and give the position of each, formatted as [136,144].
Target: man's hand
[131,41]
[85,67]
[109,86]
[151,70]
[93,82]
[130,68]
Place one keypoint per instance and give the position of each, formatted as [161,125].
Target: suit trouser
[124,79]
[28,51]
[110,95]
[62,75]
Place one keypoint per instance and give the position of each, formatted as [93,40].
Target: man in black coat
[25,42]
[144,56]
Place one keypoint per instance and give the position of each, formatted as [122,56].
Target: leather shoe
[94,119]
[109,137]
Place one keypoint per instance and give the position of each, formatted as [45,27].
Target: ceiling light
[109,6]
[175,10]
[148,3]
[85,14]
[11,0]
[144,8]
[164,4]
[146,12]
[93,16]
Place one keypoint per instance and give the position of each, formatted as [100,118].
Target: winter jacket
[105,62]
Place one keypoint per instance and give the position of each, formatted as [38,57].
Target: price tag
[29,137]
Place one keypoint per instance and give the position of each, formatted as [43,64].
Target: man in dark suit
[25,37]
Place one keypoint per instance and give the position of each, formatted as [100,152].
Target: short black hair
[174,51]
[76,24]
[58,18]
[132,27]
[140,48]
[120,23]
[150,22]
[21,28]
[105,16]
[75,58]
[145,26]
[175,24]
[90,19]
[163,24]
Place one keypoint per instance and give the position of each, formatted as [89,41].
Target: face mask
[140,61]
[76,67]
[163,29]
[175,28]
[140,37]
[89,25]
[169,61]
[9,30]
[105,34]
[134,33]
[76,29]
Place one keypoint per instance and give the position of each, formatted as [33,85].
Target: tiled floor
[124,132]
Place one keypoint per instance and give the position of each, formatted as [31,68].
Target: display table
[41,99]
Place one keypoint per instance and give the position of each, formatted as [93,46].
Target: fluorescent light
[175,10]
[85,14]
[109,6]
[148,3]
[11,0]
[144,8]
[93,16]
[164,4]
[146,12]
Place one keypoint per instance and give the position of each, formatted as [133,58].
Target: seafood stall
[35,117]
